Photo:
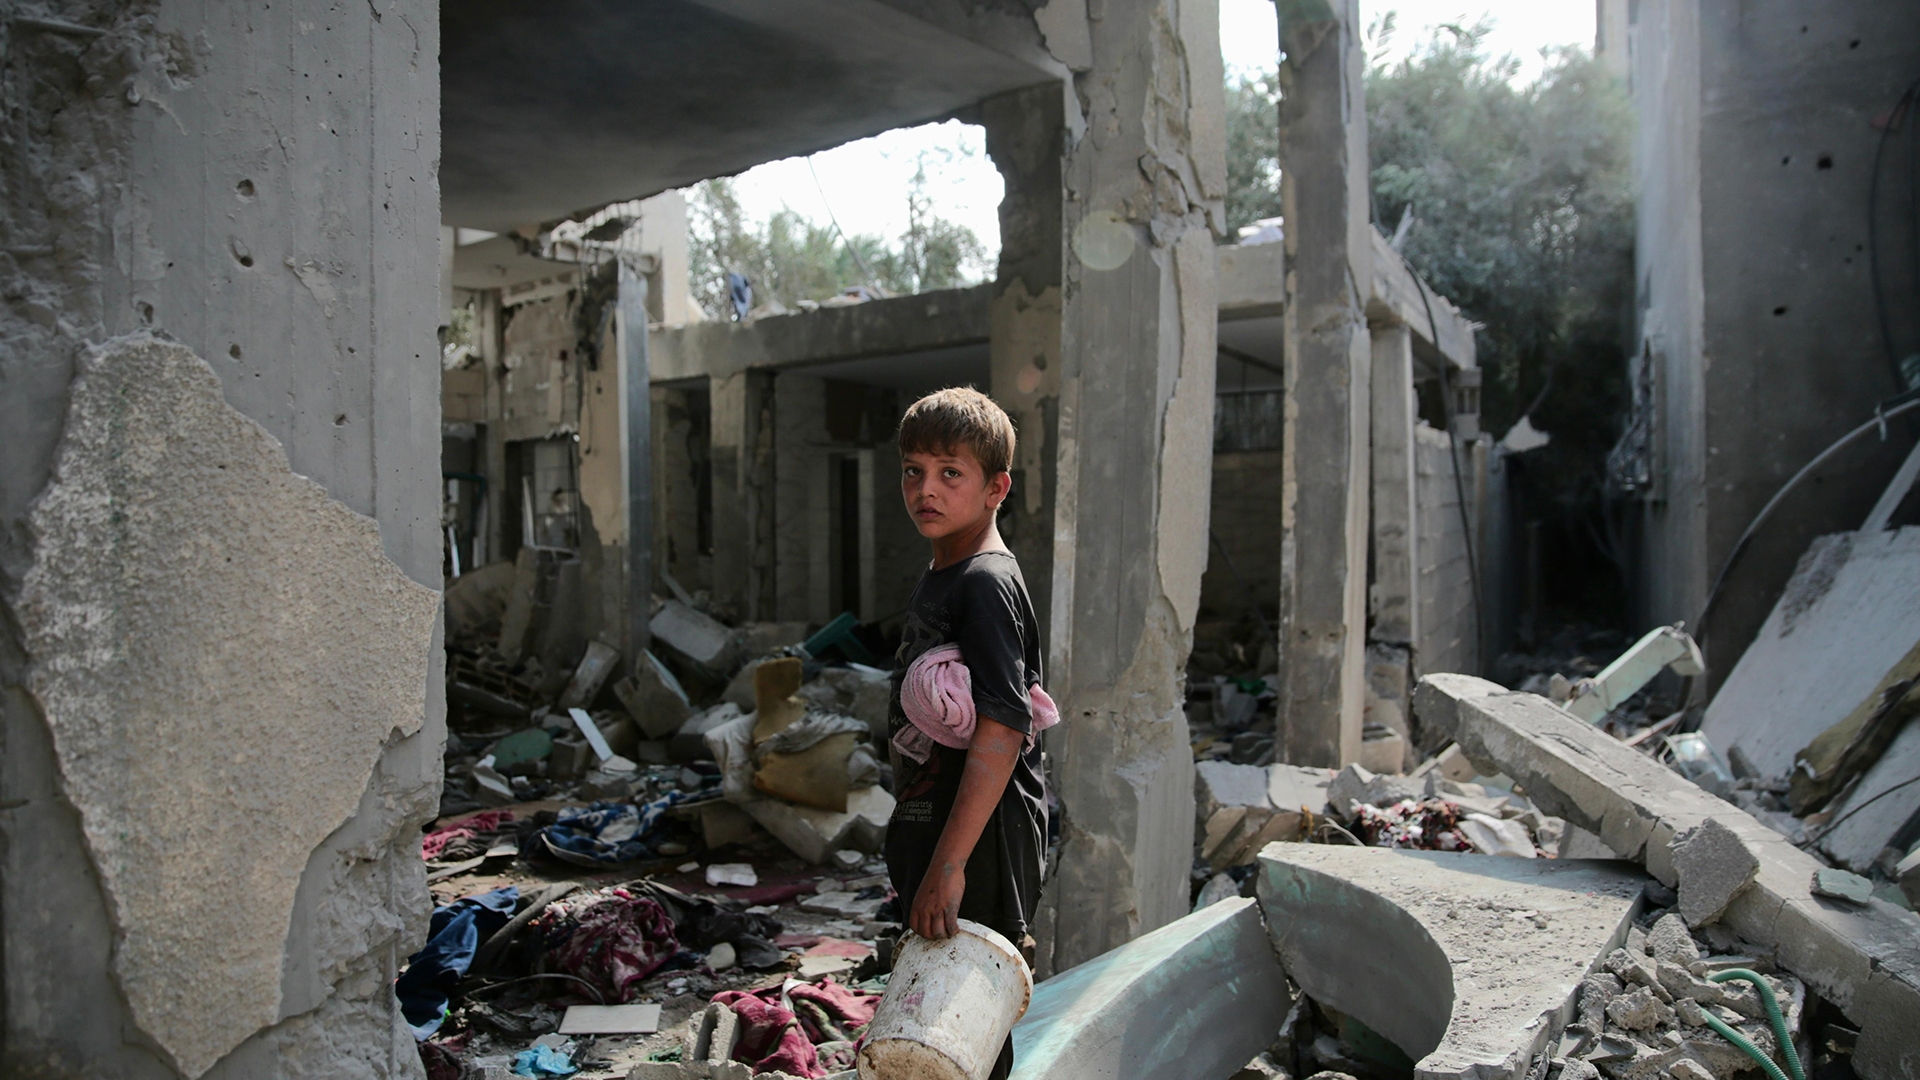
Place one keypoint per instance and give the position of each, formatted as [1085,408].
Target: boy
[967,835]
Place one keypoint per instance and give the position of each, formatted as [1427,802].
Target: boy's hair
[959,417]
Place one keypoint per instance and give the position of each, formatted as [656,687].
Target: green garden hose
[1774,1019]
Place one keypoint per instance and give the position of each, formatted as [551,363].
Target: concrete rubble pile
[1732,888]
[712,807]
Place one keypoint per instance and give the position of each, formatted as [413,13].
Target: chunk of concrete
[1669,941]
[1356,784]
[1639,1010]
[653,697]
[695,637]
[814,835]
[1193,1000]
[1836,884]
[722,823]
[1223,795]
[1298,787]
[1436,706]
[1714,866]
[1497,836]
[1864,958]
[689,743]
[1908,874]
[1470,964]
[1236,812]
[1847,616]
[183,582]
[1383,750]
[591,674]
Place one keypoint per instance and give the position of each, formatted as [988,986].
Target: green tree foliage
[1253,148]
[1521,212]
[1521,202]
[790,258]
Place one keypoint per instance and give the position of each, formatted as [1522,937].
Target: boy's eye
[951,474]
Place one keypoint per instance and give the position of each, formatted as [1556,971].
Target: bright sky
[866,181]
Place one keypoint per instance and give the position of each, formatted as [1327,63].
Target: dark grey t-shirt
[981,604]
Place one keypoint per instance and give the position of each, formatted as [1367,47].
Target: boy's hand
[936,910]
[990,761]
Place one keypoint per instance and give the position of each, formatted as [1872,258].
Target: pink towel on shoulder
[937,696]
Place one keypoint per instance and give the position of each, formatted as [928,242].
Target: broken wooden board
[610,1020]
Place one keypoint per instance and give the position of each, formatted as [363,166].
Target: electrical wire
[1900,113]
[1888,410]
[1453,455]
[1828,829]
[844,242]
[490,987]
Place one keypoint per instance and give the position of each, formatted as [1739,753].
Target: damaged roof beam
[1396,295]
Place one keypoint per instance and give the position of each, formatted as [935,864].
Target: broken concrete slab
[1470,964]
[699,639]
[1357,784]
[1837,884]
[1140,1009]
[1298,787]
[1865,959]
[1714,866]
[689,743]
[1907,873]
[591,674]
[1877,809]
[653,697]
[814,835]
[1850,612]
[183,579]
[1240,809]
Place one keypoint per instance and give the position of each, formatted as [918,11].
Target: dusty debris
[604,775]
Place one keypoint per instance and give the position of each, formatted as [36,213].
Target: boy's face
[949,492]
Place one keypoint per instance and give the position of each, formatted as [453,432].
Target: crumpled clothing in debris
[543,1061]
[606,832]
[812,728]
[611,938]
[701,924]
[454,934]
[783,1026]
[1428,825]
[462,840]
[441,1057]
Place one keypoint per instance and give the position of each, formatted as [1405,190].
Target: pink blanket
[937,696]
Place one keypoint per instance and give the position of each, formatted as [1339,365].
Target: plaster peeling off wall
[220,651]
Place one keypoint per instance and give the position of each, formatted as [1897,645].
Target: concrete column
[741,425]
[1025,138]
[1395,608]
[1144,176]
[636,426]
[177,168]
[1324,491]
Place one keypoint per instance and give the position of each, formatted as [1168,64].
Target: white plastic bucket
[948,1008]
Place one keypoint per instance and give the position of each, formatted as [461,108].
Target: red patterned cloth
[434,844]
[776,1037]
[611,938]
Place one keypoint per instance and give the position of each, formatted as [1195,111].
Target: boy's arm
[990,760]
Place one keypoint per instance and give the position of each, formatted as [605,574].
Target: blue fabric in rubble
[454,934]
[609,832]
[543,1061]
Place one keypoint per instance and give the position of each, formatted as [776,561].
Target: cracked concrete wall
[1771,112]
[1144,177]
[1324,479]
[217,174]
